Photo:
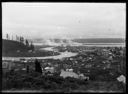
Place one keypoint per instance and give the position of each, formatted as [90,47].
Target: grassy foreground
[23,81]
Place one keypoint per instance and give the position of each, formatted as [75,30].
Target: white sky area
[64,20]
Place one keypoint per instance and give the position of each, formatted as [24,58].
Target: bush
[54,85]
[37,81]
[27,85]
[74,85]
[70,79]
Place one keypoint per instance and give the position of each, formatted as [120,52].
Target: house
[71,58]
[69,70]
[4,64]
[7,66]
[105,52]
[81,76]
[121,78]
[49,69]
[65,74]
[110,58]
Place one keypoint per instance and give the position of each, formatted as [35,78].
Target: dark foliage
[34,80]
[38,66]
[10,48]
[27,69]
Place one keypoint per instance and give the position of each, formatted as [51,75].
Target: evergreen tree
[23,40]
[37,66]
[7,36]
[27,69]
[27,43]
[32,46]
[20,38]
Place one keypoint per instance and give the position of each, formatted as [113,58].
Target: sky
[64,20]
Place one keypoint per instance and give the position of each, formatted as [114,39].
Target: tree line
[22,40]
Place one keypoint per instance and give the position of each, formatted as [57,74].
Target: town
[90,64]
[63,47]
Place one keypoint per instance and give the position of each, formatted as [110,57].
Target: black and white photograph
[65,47]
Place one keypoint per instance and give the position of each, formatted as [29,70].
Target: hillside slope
[13,46]
[10,48]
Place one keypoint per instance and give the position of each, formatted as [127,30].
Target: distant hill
[100,40]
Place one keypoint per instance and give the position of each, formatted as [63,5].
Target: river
[62,55]
[47,49]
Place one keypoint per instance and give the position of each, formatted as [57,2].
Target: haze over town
[64,20]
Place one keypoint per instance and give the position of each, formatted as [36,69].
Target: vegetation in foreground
[21,80]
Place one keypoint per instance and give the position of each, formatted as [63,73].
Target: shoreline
[62,55]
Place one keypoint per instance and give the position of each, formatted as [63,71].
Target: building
[69,70]
[105,52]
[122,78]
[49,69]
[7,65]
[81,76]
[65,74]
